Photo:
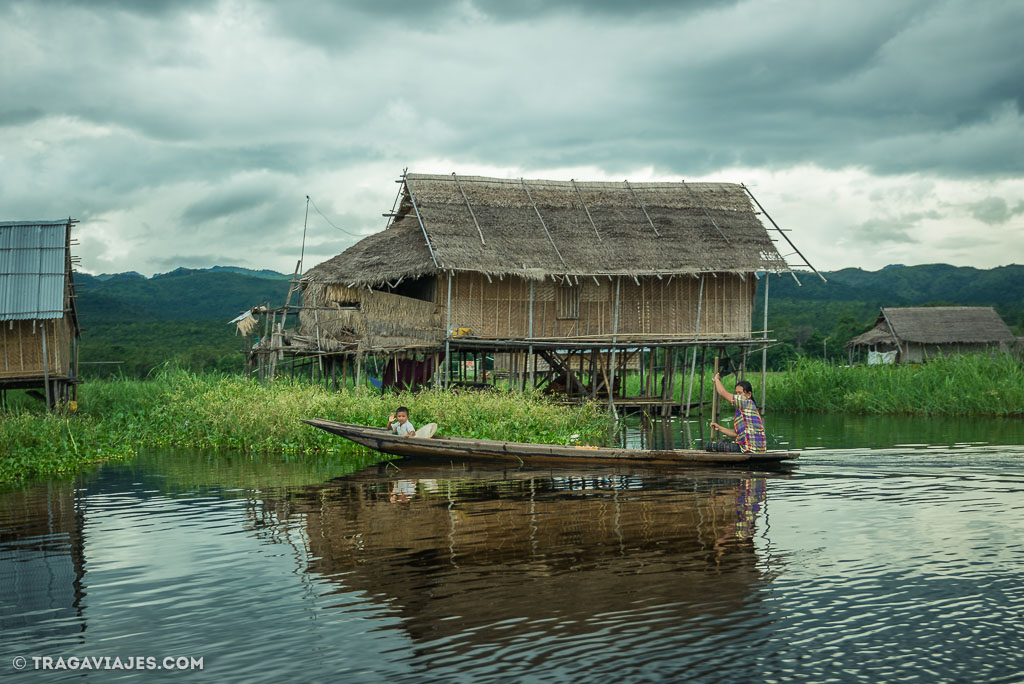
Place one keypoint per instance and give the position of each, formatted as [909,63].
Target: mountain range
[182,315]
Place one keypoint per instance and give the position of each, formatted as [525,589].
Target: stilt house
[38,319]
[914,334]
[583,277]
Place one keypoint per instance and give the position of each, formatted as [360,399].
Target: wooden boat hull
[449,448]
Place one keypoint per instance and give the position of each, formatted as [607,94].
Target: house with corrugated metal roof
[915,334]
[39,329]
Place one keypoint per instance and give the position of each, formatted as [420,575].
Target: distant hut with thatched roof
[914,334]
[570,273]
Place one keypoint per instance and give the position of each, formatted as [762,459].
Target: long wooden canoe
[449,448]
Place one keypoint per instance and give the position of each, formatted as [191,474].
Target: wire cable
[317,209]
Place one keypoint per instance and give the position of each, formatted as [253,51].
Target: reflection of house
[38,319]
[913,334]
[540,547]
[42,561]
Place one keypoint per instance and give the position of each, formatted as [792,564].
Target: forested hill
[910,286]
[180,316]
[183,294]
[183,315]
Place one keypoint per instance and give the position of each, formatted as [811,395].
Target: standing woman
[748,427]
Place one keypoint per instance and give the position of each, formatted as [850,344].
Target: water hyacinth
[178,408]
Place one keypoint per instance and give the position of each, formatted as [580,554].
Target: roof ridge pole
[580,195]
[546,231]
[642,207]
[782,233]
[706,212]
[420,219]
[475,222]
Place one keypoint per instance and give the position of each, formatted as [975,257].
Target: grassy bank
[970,385]
[975,385]
[177,408]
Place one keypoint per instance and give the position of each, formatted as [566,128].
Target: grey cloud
[116,105]
[994,210]
[224,203]
[174,261]
[893,229]
[22,115]
[154,8]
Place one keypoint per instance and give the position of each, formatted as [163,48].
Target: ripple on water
[858,566]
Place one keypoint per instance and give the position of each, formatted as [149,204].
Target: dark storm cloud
[217,117]
[154,8]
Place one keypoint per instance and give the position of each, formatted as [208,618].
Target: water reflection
[877,565]
[467,552]
[42,560]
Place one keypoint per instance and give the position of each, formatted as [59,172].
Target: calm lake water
[893,551]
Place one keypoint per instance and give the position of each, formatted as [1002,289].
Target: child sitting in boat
[748,428]
[400,424]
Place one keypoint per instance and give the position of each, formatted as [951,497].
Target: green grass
[965,385]
[177,408]
[968,385]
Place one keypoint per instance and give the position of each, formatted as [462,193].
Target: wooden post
[673,362]
[593,375]
[359,369]
[46,370]
[448,336]
[615,332]
[529,333]
[682,397]
[764,349]
[696,337]
[714,405]
[700,396]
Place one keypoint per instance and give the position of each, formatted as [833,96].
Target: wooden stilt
[700,395]
[714,406]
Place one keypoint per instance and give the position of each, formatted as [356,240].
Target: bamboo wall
[664,308]
[21,349]
[382,320]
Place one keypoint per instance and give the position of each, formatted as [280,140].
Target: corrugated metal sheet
[32,275]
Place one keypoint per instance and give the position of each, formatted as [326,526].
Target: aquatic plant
[178,408]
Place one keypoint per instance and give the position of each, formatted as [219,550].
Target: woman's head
[743,387]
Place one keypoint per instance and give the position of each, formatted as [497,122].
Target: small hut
[913,334]
[38,318]
[583,278]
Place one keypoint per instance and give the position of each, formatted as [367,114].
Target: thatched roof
[540,228]
[937,325]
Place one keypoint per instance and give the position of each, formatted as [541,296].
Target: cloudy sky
[189,133]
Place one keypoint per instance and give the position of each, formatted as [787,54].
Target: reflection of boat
[458,447]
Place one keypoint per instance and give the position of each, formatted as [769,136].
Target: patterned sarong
[748,426]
